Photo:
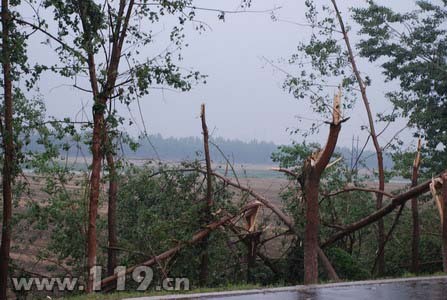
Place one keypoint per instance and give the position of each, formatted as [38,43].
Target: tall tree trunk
[97,155]
[95,178]
[206,214]
[99,106]
[111,215]
[8,147]
[380,235]
[415,213]
[444,222]
[415,237]
[312,225]
[379,153]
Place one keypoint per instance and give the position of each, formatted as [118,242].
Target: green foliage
[293,156]
[161,208]
[411,48]
[321,65]
[347,267]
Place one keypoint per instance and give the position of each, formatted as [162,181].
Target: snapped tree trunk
[206,213]
[8,148]
[312,170]
[282,216]
[415,213]
[251,241]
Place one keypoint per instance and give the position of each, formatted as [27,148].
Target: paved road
[428,288]
[417,290]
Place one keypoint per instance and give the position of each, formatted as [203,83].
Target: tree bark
[8,147]
[95,178]
[311,246]
[206,214]
[247,244]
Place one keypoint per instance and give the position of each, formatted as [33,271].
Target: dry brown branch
[415,212]
[206,214]
[435,187]
[286,219]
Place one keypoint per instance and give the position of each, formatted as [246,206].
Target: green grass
[122,295]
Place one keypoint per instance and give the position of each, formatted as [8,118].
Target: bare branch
[352,189]
[53,37]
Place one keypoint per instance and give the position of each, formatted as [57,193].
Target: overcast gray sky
[243,95]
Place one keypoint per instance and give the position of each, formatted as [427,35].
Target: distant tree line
[189,148]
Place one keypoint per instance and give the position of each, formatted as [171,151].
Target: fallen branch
[196,238]
[286,219]
[385,210]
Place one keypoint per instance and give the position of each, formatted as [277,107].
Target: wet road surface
[432,289]
[417,288]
